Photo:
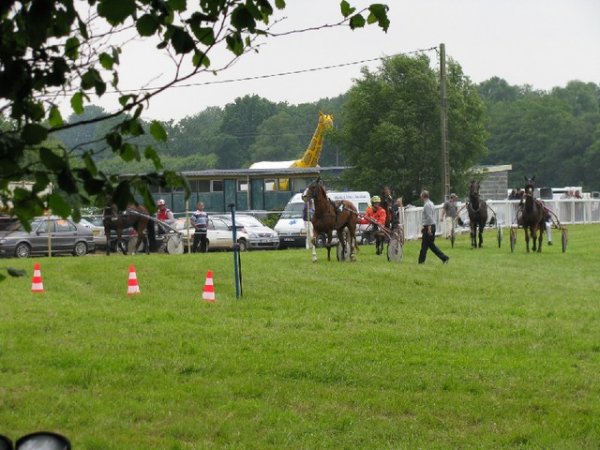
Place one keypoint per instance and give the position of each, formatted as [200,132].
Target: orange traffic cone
[208,293]
[132,286]
[36,281]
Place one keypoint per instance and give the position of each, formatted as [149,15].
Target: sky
[542,43]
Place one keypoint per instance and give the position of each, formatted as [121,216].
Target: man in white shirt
[428,230]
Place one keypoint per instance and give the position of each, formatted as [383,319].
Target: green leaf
[241,18]
[90,165]
[116,11]
[34,133]
[83,29]
[280,4]
[157,131]
[182,42]
[58,205]
[147,25]
[177,5]
[204,34]
[235,43]
[51,160]
[54,118]
[200,58]
[378,13]
[346,8]
[72,48]
[151,154]
[106,61]
[357,21]
[129,153]
[77,103]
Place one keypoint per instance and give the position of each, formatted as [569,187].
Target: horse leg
[540,239]
[481,226]
[473,237]
[107,235]
[526,238]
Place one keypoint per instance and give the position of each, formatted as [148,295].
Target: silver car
[259,236]
[48,235]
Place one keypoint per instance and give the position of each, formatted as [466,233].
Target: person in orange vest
[376,215]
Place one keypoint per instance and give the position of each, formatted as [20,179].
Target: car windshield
[248,221]
[293,211]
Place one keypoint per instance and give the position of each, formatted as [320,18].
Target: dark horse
[135,216]
[478,214]
[329,216]
[533,216]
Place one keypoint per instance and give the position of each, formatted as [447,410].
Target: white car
[219,234]
[259,236]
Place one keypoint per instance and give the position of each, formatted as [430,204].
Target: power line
[281,74]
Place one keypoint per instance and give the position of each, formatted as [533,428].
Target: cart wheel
[565,238]
[513,239]
[174,245]
[395,251]
[343,251]
[499,237]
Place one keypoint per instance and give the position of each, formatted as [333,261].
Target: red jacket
[378,215]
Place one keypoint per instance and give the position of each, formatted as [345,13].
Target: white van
[291,226]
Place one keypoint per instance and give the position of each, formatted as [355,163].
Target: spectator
[397,210]
[449,212]
[428,231]
[200,221]
[577,195]
[513,195]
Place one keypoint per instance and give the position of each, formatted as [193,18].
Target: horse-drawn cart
[393,236]
[555,223]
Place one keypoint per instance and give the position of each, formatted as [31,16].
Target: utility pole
[444,123]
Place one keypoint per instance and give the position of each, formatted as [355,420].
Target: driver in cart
[165,215]
[376,215]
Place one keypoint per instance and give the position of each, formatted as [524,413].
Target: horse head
[474,188]
[529,185]
[313,190]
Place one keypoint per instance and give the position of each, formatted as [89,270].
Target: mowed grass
[494,350]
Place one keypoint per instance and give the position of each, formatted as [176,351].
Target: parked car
[64,235]
[97,231]
[259,236]
[219,234]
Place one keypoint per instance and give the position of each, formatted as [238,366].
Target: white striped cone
[36,281]
[208,293]
[132,285]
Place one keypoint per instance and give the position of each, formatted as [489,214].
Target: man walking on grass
[428,230]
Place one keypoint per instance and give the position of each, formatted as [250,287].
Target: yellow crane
[311,155]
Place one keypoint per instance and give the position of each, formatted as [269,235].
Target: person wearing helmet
[376,215]
[164,214]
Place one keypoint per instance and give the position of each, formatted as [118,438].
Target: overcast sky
[543,43]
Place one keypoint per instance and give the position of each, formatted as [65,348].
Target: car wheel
[23,250]
[80,249]
[243,245]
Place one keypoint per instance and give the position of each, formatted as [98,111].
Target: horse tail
[493,220]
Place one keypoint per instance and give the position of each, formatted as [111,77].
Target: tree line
[387,129]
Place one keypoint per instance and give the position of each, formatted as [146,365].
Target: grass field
[493,350]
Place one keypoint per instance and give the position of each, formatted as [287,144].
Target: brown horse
[135,216]
[533,216]
[478,214]
[329,216]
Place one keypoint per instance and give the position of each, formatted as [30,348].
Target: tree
[552,135]
[50,49]
[391,131]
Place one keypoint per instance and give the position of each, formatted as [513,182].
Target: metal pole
[444,123]
[236,254]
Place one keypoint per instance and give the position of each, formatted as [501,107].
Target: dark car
[48,234]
